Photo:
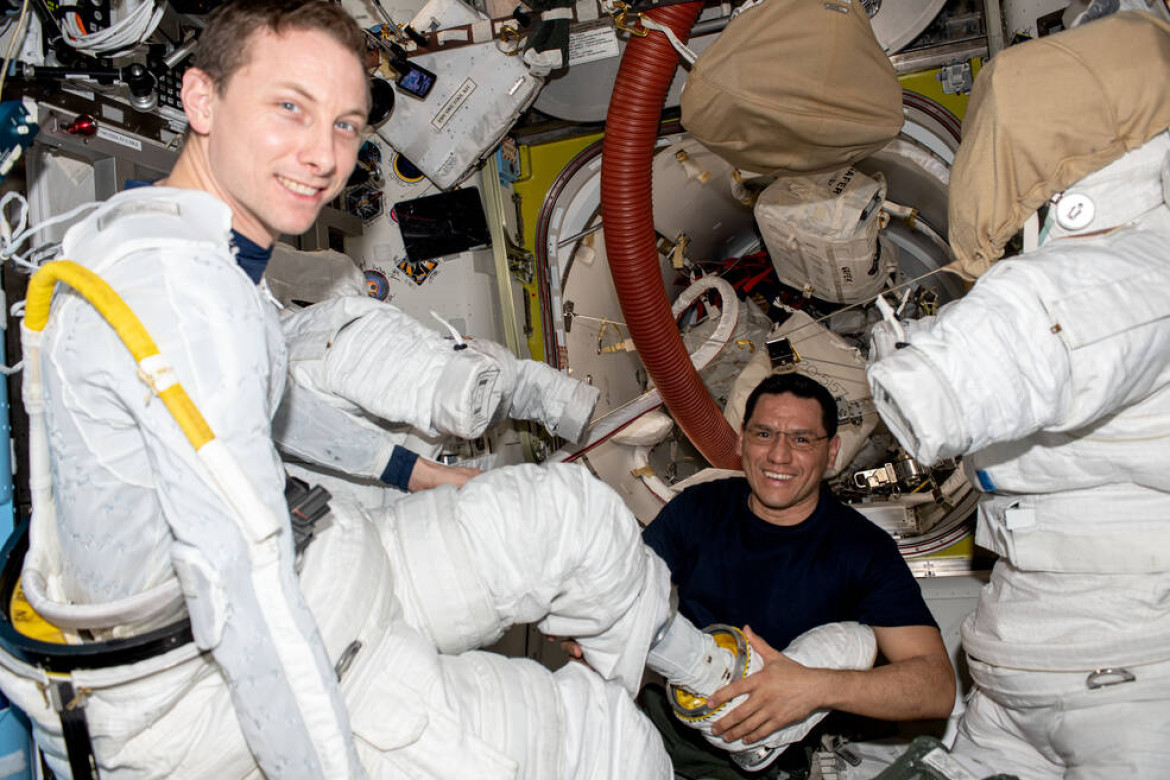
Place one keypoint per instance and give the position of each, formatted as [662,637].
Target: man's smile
[297,187]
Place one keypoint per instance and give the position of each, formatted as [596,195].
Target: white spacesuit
[1051,378]
[356,666]
[364,378]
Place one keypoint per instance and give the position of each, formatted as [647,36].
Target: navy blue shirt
[250,256]
[732,567]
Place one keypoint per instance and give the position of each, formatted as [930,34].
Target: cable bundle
[120,38]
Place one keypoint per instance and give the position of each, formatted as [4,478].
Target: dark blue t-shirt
[732,567]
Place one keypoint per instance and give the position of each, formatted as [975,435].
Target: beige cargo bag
[1046,113]
[822,234]
[794,87]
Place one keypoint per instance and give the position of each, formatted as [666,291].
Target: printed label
[451,106]
[593,43]
[119,138]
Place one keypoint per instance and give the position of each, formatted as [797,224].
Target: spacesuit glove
[536,391]
[691,659]
[831,646]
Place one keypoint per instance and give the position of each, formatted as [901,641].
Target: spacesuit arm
[316,428]
[386,363]
[1051,342]
[327,431]
[369,354]
[541,393]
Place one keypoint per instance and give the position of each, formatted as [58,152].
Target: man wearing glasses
[776,552]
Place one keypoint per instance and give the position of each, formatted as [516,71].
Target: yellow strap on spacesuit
[128,327]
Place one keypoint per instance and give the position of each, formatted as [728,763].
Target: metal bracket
[782,354]
[905,473]
[956,78]
[567,313]
[521,262]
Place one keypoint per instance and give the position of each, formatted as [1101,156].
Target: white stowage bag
[822,234]
[479,93]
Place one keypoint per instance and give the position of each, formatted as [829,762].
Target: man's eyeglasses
[797,440]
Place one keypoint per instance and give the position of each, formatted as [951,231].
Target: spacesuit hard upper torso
[108,467]
[1052,379]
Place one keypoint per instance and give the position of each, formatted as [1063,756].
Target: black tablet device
[442,224]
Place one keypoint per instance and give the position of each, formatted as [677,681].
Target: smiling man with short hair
[277,103]
[777,552]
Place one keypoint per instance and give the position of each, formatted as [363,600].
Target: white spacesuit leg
[567,725]
[1044,725]
[530,544]
[994,735]
[634,746]
[419,712]
[691,659]
[547,545]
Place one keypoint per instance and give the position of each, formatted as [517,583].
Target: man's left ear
[834,449]
[198,96]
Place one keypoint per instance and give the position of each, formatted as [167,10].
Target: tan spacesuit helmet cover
[1045,114]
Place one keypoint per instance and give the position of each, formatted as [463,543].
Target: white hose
[728,319]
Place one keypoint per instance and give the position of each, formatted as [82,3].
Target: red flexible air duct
[631,129]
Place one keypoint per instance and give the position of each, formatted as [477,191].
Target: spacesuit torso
[1052,378]
[111,440]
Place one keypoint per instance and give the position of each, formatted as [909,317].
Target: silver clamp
[346,659]
[1103,678]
